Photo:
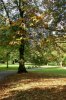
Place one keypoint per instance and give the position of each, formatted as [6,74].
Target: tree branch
[6,11]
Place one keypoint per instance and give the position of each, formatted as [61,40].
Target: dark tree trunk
[22,68]
[7,59]
[7,63]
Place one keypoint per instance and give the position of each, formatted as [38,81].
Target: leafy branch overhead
[38,23]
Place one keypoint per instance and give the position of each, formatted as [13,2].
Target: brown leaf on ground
[33,86]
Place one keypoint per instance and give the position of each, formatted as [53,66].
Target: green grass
[52,71]
[49,71]
[10,67]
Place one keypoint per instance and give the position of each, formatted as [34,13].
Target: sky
[5,0]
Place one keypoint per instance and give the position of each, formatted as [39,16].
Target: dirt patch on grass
[33,86]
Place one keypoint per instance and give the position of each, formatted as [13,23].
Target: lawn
[56,71]
[10,68]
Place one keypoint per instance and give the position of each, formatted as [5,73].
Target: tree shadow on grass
[52,93]
[36,92]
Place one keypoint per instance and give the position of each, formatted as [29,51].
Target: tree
[21,49]
[27,19]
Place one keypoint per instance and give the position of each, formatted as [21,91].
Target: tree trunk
[7,63]
[61,64]
[22,68]
[7,59]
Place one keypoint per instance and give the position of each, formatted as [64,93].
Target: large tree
[28,19]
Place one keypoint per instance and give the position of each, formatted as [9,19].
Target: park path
[4,74]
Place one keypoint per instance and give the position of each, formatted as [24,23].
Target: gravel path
[4,74]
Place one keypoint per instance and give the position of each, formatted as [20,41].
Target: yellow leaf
[31,24]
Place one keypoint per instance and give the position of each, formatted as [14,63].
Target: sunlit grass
[51,71]
[10,67]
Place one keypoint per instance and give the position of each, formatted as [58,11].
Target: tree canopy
[41,24]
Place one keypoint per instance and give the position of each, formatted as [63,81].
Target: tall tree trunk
[22,68]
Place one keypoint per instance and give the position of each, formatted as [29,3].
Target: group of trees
[36,27]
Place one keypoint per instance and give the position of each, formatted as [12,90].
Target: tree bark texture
[22,68]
